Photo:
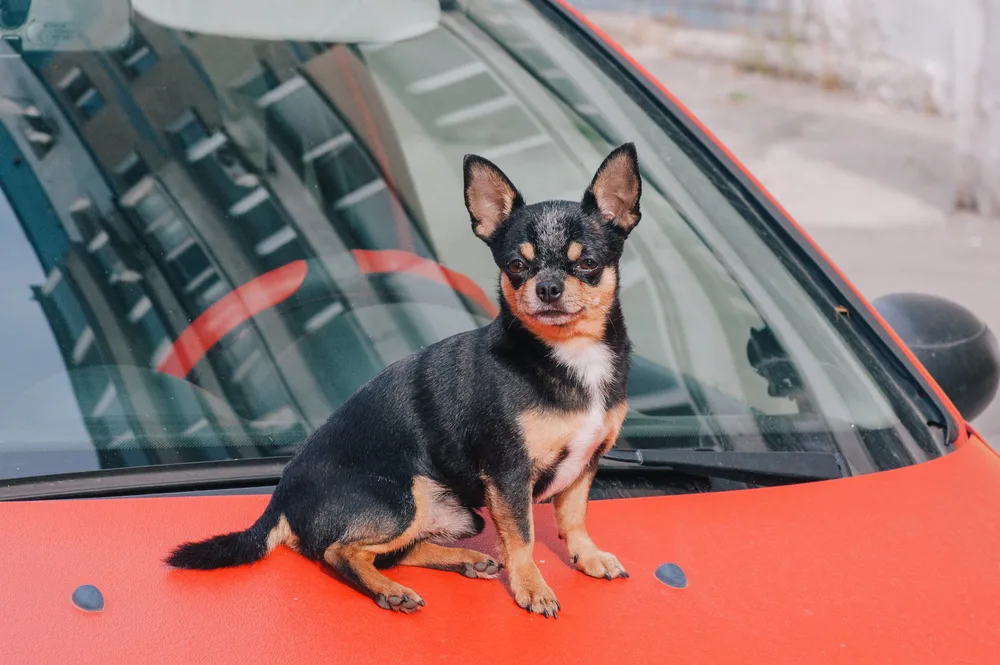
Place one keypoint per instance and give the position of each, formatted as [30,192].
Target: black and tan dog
[516,412]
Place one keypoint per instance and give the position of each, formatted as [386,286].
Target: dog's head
[558,260]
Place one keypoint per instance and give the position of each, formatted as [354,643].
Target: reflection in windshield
[162,249]
[218,241]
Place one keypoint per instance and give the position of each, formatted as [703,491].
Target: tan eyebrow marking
[527,251]
[574,251]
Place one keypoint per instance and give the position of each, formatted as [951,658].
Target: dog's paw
[400,600]
[538,598]
[600,564]
[483,568]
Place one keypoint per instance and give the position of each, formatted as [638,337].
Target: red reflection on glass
[372,261]
[276,286]
[224,316]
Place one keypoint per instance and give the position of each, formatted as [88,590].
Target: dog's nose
[548,291]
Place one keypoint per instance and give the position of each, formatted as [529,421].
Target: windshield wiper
[762,468]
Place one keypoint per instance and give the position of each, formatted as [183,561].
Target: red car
[219,220]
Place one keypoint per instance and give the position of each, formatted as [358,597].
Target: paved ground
[871,184]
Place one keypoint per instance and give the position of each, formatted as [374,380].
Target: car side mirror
[952,343]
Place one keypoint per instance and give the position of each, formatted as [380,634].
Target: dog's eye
[588,265]
[515,267]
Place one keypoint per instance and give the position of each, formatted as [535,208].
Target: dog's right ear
[489,196]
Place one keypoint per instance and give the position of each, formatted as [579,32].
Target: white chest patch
[592,366]
[578,452]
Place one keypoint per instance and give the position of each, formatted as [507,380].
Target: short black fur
[452,412]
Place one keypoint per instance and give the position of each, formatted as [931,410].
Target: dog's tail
[233,549]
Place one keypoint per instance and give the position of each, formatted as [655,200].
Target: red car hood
[895,567]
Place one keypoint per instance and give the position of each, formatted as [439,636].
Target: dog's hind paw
[486,569]
[404,600]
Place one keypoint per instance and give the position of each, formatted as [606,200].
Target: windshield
[207,243]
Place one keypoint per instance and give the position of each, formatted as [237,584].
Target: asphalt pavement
[871,184]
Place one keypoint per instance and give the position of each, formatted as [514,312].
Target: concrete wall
[941,56]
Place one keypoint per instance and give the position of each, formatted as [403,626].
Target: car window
[209,243]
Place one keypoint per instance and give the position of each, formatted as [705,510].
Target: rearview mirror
[342,21]
[58,25]
[952,343]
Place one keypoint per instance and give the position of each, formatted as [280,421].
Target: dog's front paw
[538,598]
[600,564]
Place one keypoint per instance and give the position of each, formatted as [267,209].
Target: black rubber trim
[147,480]
[775,219]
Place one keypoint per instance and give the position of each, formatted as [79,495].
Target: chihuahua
[517,412]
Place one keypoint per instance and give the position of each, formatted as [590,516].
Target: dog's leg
[470,563]
[571,514]
[357,564]
[571,511]
[382,533]
[509,503]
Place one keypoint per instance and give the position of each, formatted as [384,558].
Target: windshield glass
[207,243]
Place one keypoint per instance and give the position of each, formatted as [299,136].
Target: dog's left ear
[616,189]
[489,196]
